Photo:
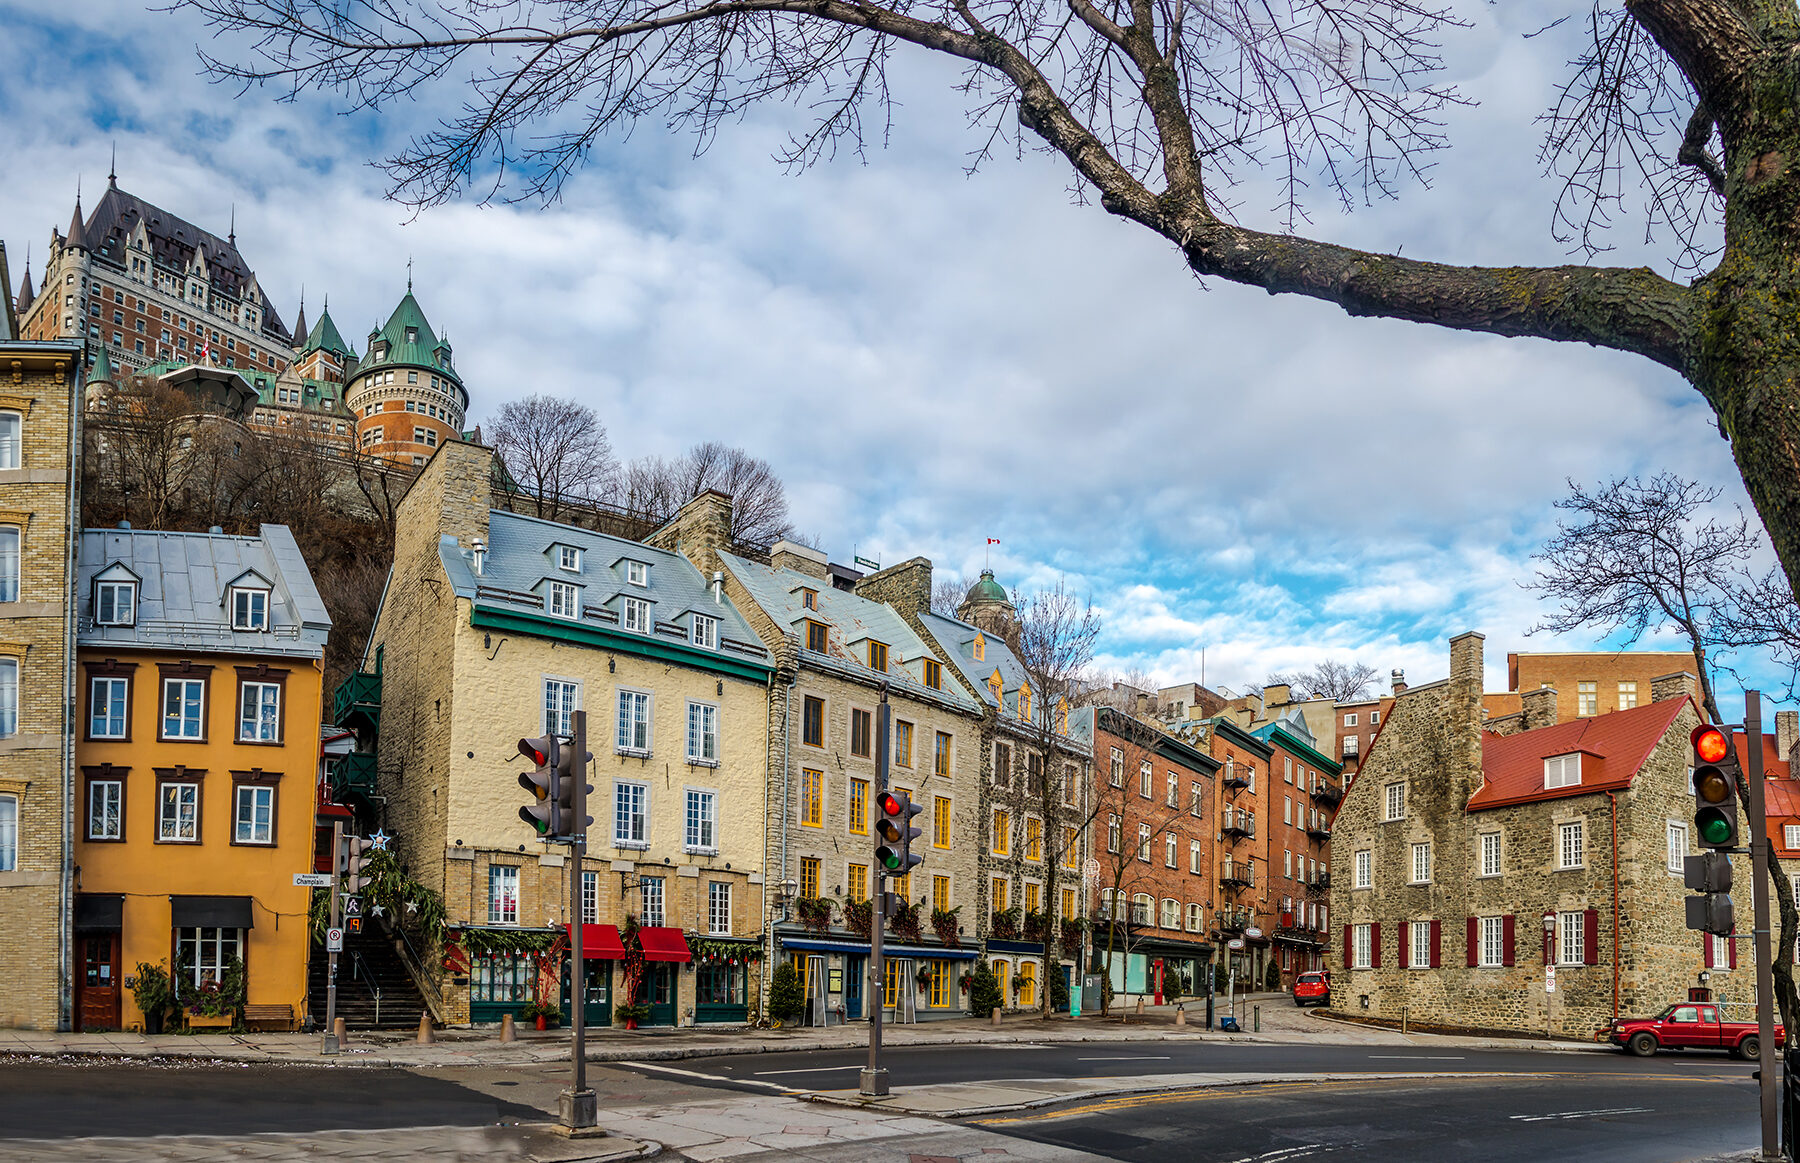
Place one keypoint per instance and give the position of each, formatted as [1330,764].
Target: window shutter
[1349,932]
[1507,948]
[1474,945]
[1405,944]
[1437,946]
[1375,945]
[1706,945]
[1590,924]
[1731,944]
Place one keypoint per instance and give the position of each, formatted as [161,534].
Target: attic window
[637,573]
[412,335]
[115,603]
[934,674]
[1562,770]
[249,608]
[564,600]
[878,656]
[995,685]
[817,638]
[705,632]
[568,557]
[980,648]
[809,599]
[1025,701]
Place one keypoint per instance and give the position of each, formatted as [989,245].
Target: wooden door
[98,1007]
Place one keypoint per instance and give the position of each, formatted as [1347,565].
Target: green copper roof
[987,589]
[324,336]
[409,340]
[103,368]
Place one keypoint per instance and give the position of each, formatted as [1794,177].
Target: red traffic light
[537,750]
[889,802]
[1709,743]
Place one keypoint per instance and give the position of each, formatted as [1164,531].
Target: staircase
[367,963]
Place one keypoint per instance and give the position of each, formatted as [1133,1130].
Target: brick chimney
[1539,707]
[700,530]
[1397,680]
[1673,686]
[800,558]
[448,499]
[1787,734]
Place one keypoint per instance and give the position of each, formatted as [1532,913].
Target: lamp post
[1549,965]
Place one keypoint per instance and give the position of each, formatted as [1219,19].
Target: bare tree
[555,448]
[1640,556]
[1157,108]
[759,507]
[947,593]
[1345,682]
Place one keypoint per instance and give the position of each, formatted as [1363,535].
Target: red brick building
[1305,786]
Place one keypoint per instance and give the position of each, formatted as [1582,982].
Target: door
[1682,1027]
[598,999]
[98,1008]
[1708,1033]
[855,970]
[659,993]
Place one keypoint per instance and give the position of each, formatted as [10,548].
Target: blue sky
[932,359]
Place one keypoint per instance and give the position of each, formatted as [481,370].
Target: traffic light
[356,855]
[544,813]
[1709,873]
[571,791]
[1715,789]
[894,854]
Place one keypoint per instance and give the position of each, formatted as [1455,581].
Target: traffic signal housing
[544,813]
[1715,789]
[1709,873]
[893,853]
[571,792]
[355,859]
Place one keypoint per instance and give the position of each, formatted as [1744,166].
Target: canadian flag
[993,541]
[205,355]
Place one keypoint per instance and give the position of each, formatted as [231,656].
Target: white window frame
[637,573]
[1491,933]
[568,557]
[199,721]
[12,541]
[1350,719]
[654,900]
[718,908]
[1571,938]
[108,712]
[1678,847]
[1171,850]
[1421,863]
[1361,945]
[590,898]
[1196,917]
[12,440]
[702,734]
[1394,803]
[1790,834]
[705,632]
[253,814]
[1419,937]
[633,723]
[1144,839]
[563,600]
[1562,771]
[265,725]
[503,894]
[249,608]
[562,698]
[700,821]
[1117,777]
[106,809]
[181,827]
[1169,914]
[109,610]
[1571,840]
[635,616]
[1492,854]
[631,813]
[9,833]
[1365,869]
[1194,856]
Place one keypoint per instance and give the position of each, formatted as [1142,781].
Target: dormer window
[249,608]
[878,656]
[817,637]
[568,557]
[564,600]
[1562,770]
[980,648]
[995,686]
[636,616]
[115,603]
[412,335]
[1025,701]
[705,632]
[809,599]
[934,674]
[637,573]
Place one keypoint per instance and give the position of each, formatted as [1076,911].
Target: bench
[279,1017]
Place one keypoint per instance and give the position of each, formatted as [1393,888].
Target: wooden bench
[279,1017]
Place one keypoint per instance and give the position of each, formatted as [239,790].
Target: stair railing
[415,969]
[359,971]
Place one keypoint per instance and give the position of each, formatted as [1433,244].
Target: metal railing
[359,972]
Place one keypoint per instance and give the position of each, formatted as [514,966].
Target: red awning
[600,943]
[664,945]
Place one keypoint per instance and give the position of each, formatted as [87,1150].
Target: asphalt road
[1627,1117]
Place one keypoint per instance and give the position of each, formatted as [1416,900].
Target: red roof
[660,944]
[1613,747]
[1781,792]
[600,943]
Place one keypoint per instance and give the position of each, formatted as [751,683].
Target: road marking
[1420,1057]
[1593,1114]
[808,1070]
[1129,1058]
[1283,1153]
[655,1068]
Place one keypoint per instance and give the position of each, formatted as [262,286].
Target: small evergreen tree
[1059,990]
[786,996]
[984,991]
[1221,976]
[1273,978]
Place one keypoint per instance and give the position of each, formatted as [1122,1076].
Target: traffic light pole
[331,958]
[1759,898]
[580,1109]
[874,1075]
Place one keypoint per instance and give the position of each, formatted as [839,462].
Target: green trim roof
[986,589]
[324,336]
[421,351]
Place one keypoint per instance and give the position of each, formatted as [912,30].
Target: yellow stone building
[39,383]
[198,705]
[496,627]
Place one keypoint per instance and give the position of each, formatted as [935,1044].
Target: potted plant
[153,993]
[923,977]
[946,923]
[905,922]
[815,913]
[859,917]
[1005,925]
[215,1004]
[632,1014]
[542,1013]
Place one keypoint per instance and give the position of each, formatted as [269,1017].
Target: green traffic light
[1715,827]
[890,859]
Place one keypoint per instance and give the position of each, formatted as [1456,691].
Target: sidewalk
[1281,1023]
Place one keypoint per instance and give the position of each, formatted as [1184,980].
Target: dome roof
[986,589]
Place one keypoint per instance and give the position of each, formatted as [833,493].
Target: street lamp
[1549,938]
[785,897]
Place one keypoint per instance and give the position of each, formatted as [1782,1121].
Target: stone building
[1522,877]
[496,627]
[40,384]
[1153,839]
[836,653]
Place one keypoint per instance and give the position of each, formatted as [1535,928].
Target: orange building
[1589,682]
[200,668]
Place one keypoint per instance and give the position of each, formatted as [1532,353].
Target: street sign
[352,906]
[1549,979]
[1253,932]
[334,940]
[865,563]
[1235,943]
[312,880]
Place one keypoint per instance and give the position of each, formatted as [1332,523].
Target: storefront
[722,979]
[601,950]
[922,982]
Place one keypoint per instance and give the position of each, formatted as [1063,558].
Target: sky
[1241,484]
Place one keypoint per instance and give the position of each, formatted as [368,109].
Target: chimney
[905,587]
[448,499]
[1787,734]
[1539,707]
[800,558]
[1397,680]
[718,586]
[700,530]
[1673,686]
[1462,707]
[1143,705]
[1277,695]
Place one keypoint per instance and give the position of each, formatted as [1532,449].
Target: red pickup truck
[1686,1025]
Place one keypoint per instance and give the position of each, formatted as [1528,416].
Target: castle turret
[26,295]
[405,390]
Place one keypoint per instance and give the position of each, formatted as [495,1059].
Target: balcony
[1234,920]
[1236,777]
[354,773]
[1239,825]
[1319,885]
[357,704]
[1238,876]
[1319,831]
[1327,793]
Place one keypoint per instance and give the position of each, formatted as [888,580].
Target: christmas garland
[481,941]
[707,951]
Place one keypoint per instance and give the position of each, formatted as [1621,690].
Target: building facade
[1527,878]
[1592,682]
[1298,845]
[497,627]
[405,392]
[40,384]
[201,673]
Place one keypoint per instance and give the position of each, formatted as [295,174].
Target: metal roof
[958,642]
[182,582]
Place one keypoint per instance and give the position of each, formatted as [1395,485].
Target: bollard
[425,1034]
[1180,1018]
[1256,1019]
[337,1029]
[996,1018]
[1140,1005]
[507,1031]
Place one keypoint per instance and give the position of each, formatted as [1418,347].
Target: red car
[1687,1025]
[1312,989]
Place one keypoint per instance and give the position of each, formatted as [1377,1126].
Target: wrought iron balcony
[1327,793]
[1319,885]
[1319,831]
[1238,824]
[1237,876]
[1236,777]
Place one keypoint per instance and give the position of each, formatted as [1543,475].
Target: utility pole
[331,958]
[874,1078]
[1759,899]
[579,1107]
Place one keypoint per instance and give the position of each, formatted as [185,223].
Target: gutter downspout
[65,919]
[787,724]
[1613,799]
